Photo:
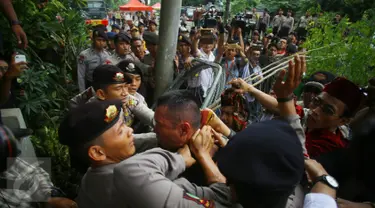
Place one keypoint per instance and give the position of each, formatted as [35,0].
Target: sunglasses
[326,108]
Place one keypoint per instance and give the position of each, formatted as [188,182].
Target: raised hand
[296,68]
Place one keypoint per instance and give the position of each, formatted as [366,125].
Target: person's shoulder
[85,52]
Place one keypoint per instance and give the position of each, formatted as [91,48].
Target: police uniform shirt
[265,19]
[278,20]
[205,77]
[304,22]
[288,22]
[88,60]
[115,58]
[134,108]
[146,180]
[97,184]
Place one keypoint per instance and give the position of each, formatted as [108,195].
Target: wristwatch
[15,22]
[328,180]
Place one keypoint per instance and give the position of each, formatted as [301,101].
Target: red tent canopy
[135,5]
[156,6]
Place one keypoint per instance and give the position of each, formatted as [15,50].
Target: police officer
[122,49]
[109,83]
[92,57]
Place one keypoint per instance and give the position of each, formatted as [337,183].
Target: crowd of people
[308,152]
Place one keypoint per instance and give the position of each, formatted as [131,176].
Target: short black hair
[182,105]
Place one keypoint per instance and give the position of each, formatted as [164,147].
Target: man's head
[293,38]
[99,38]
[315,85]
[255,36]
[338,17]
[129,22]
[184,44]
[263,164]
[138,48]
[289,13]
[111,43]
[334,107]
[98,129]
[281,12]
[177,118]
[152,25]
[234,110]
[208,43]
[272,50]
[135,32]
[116,28]
[132,71]
[122,43]
[110,82]
[283,43]
[231,50]
[141,27]
[152,42]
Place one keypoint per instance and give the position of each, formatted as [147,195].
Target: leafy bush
[47,145]
[57,34]
[346,49]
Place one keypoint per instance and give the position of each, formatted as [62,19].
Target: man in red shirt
[328,113]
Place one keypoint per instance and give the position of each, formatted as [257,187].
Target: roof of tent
[135,5]
[156,6]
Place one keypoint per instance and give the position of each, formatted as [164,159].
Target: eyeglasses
[326,108]
[312,89]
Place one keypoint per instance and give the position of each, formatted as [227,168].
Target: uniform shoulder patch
[81,59]
[204,202]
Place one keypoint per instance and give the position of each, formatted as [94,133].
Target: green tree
[346,49]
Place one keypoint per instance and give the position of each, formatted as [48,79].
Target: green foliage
[47,145]
[346,49]
[54,44]
[57,34]
[192,2]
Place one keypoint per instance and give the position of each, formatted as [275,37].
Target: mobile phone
[19,58]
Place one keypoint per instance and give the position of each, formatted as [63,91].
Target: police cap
[87,122]
[184,39]
[122,37]
[151,38]
[109,74]
[129,67]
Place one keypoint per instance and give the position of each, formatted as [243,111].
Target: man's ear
[96,153]
[100,94]
[185,130]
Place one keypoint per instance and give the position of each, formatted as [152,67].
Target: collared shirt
[288,22]
[148,72]
[88,60]
[133,106]
[115,58]
[231,70]
[248,70]
[278,20]
[305,22]
[205,77]
[265,19]
[29,183]
[318,200]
